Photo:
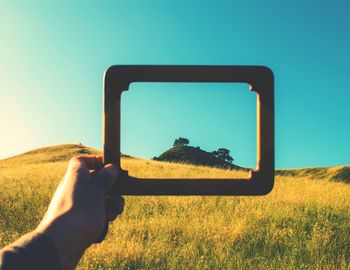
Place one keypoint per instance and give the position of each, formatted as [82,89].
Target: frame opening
[211,116]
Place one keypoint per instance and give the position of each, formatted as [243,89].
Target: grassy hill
[303,223]
[55,153]
[337,174]
[194,155]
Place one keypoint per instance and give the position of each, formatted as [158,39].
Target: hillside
[179,154]
[194,155]
[304,223]
[55,153]
[337,174]
[144,168]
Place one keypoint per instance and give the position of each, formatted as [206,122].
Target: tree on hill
[223,154]
[181,142]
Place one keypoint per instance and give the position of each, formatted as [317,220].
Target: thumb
[106,177]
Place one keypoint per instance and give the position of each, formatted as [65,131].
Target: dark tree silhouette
[181,142]
[223,154]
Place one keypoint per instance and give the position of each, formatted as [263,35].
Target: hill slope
[337,174]
[137,167]
[192,155]
[62,152]
[303,223]
[195,156]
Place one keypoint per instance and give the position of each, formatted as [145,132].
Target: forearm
[32,251]
[62,231]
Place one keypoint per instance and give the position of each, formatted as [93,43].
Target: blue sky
[209,115]
[52,58]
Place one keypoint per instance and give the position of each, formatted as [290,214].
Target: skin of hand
[77,213]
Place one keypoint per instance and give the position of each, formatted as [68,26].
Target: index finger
[91,162]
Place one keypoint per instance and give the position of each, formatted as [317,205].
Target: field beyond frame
[143,168]
[304,223]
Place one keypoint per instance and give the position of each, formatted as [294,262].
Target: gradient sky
[53,55]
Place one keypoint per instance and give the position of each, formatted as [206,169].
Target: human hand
[77,214]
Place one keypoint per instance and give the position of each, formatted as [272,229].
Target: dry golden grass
[304,223]
[143,168]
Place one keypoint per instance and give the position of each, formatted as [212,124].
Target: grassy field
[304,223]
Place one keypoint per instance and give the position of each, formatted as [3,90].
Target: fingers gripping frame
[118,78]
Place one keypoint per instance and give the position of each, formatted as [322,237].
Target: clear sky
[53,55]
